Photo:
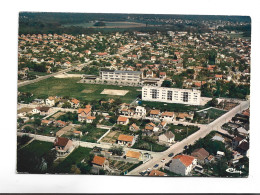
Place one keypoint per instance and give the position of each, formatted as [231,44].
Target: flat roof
[122,71]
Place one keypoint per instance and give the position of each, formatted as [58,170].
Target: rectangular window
[169,95]
[185,96]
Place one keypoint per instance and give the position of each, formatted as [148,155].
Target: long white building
[171,95]
[118,75]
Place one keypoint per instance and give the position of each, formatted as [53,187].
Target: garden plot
[114,92]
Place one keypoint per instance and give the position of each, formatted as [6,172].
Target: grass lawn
[82,91]
[38,148]
[186,131]
[29,158]
[75,157]
[171,107]
[38,73]
[93,135]
[213,114]
[146,145]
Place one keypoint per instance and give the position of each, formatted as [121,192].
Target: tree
[116,150]
[37,122]
[166,83]
[214,102]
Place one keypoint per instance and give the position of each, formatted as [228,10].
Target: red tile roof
[122,119]
[185,159]
[98,160]
[126,138]
[61,141]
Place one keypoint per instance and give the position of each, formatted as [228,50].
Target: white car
[163,160]
[149,169]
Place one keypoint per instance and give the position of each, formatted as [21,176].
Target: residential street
[179,147]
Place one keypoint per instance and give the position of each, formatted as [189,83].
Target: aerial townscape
[133,94]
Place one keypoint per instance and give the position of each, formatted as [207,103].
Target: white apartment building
[118,75]
[171,95]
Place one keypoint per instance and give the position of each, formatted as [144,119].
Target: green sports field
[82,91]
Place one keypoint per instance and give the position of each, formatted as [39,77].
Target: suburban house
[149,128]
[121,120]
[200,154]
[243,148]
[126,140]
[162,125]
[182,164]
[100,162]
[77,133]
[60,123]
[155,113]
[156,173]
[74,103]
[83,113]
[46,122]
[90,119]
[133,155]
[140,111]
[50,101]
[44,110]
[167,137]
[167,116]
[134,127]
[63,146]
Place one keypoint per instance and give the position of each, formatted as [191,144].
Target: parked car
[155,166]
[143,173]
[163,160]
[171,154]
[149,169]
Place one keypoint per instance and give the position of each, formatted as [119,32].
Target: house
[90,119]
[155,113]
[63,146]
[167,137]
[100,162]
[184,116]
[242,131]
[46,122]
[122,120]
[74,103]
[83,113]
[167,116]
[60,123]
[200,154]
[162,75]
[134,127]
[140,111]
[50,101]
[182,164]
[243,148]
[133,155]
[149,128]
[36,110]
[44,110]
[162,125]
[157,173]
[236,141]
[126,140]
[77,133]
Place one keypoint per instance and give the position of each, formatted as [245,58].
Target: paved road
[83,144]
[48,76]
[179,147]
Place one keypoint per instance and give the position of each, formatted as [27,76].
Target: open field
[111,137]
[93,135]
[70,87]
[181,132]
